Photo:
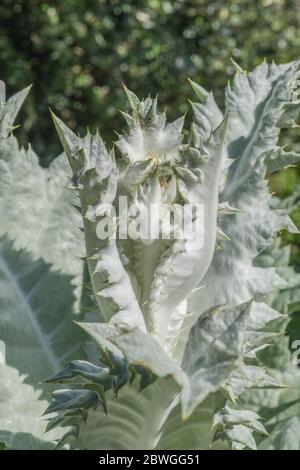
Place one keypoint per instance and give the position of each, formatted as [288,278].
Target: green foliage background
[78,52]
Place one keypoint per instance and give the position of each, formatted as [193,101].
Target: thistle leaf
[20,413]
[36,321]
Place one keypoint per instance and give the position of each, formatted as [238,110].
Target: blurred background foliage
[78,52]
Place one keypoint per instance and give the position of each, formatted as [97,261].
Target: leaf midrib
[39,334]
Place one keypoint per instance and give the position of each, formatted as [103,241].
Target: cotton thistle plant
[177,328]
